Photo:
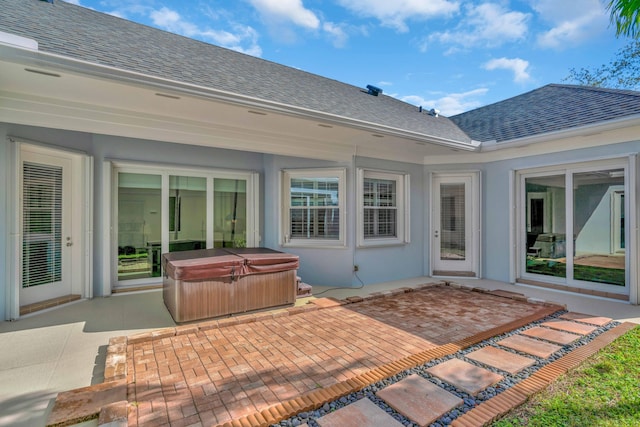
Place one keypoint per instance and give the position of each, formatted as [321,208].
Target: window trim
[402,208]
[286,176]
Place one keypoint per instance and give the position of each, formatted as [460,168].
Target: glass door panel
[598,227]
[187,213]
[139,225]
[452,222]
[229,213]
[546,243]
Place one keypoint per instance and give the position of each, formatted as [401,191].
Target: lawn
[603,391]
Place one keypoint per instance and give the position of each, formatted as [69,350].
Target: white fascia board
[63,63]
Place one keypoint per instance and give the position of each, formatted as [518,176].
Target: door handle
[69,242]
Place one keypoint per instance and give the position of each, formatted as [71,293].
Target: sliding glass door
[573,227]
[158,211]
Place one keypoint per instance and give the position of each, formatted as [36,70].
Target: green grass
[603,391]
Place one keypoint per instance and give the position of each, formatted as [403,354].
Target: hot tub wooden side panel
[270,289]
[195,300]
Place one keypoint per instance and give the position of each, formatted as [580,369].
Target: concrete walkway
[65,348]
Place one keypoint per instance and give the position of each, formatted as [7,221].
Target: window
[383,208]
[313,203]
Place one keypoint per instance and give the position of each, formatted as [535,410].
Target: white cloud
[291,11]
[243,39]
[73,2]
[516,65]
[337,33]
[572,22]
[452,103]
[488,24]
[394,13]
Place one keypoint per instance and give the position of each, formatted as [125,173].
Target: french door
[46,227]
[455,224]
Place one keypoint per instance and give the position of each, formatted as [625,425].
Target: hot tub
[207,283]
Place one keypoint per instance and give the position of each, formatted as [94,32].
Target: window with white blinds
[314,206]
[384,200]
[42,224]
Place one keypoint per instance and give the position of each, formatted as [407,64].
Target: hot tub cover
[226,263]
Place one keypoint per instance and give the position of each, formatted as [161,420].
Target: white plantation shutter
[42,224]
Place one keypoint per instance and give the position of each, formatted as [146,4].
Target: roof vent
[433,112]
[19,41]
[372,90]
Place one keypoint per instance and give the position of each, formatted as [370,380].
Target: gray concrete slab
[65,348]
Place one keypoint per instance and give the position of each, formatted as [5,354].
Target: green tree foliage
[626,15]
[623,72]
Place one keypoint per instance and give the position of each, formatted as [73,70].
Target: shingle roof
[87,35]
[547,109]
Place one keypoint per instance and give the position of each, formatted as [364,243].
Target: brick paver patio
[216,375]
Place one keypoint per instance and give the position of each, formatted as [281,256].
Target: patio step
[87,403]
[304,290]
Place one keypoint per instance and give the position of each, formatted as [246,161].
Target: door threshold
[123,289]
[454,273]
[43,305]
[573,289]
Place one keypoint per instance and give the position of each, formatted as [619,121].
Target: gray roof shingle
[550,108]
[84,34]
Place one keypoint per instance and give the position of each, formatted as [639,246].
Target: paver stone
[419,399]
[569,326]
[363,413]
[586,318]
[465,376]
[529,345]
[552,335]
[501,359]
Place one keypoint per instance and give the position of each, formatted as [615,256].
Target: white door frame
[81,212]
[471,265]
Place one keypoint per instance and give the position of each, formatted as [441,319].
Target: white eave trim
[584,131]
[44,59]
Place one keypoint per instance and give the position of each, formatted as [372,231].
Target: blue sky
[453,55]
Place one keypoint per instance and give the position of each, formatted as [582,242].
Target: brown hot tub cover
[233,262]
[215,282]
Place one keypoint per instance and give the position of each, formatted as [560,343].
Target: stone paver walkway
[258,367]
[422,402]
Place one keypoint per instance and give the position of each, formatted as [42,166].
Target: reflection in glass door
[139,225]
[546,226]
[230,213]
[598,227]
[187,213]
